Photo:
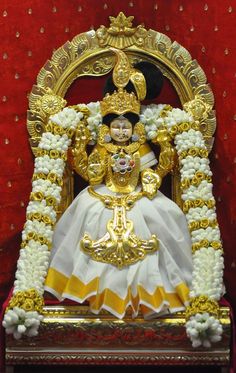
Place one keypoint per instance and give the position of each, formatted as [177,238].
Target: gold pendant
[119,246]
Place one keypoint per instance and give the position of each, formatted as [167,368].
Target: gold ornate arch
[88,54]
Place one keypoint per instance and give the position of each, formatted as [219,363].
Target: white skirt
[155,285]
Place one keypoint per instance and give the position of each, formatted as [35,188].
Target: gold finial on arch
[121,33]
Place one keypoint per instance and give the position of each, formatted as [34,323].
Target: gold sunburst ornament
[50,103]
[198,108]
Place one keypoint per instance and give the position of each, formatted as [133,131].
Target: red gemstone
[122,162]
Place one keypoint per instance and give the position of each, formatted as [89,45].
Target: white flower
[42,208]
[38,227]
[94,108]
[189,139]
[190,165]
[208,268]
[203,330]
[150,117]
[176,116]
[32,267]
[94,120]
[202,191]
[199,213]
[67,118]
[209,233]
[151,114]
[56,142]
[46,164]
[19,322]
[47,188]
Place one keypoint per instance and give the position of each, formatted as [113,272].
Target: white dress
[156,285]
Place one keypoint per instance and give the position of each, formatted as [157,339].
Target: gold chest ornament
[123,172]
[119,246]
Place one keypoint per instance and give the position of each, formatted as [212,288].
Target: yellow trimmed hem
[73,288]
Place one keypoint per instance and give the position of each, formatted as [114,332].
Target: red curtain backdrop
[29,32]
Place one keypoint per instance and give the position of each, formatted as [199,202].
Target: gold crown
[120,102]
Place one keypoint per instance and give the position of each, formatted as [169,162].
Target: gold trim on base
[118,358]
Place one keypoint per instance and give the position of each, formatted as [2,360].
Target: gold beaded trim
[194,152]
[54,178]
[28,300]
[206,243]
[39,196]
[195,180]
[36,237]
[40,217]
[202,304]
[203,223]
[198,203]
[53,153]
[55,129]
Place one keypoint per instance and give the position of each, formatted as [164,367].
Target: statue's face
[121,130]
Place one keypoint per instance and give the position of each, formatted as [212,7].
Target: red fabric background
[31,29]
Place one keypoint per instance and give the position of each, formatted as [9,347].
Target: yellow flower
[185,126]
[203,153]
[31,236]
[50,201]
[54,154]
[46,219]
[194,181]
[28,305]
[57,130]
[198,202]
[49,127]
[199,175]
[204,223]
[193,152]
[37,215]
[32,293]
[52,177]
[173,130]
[204,243]
[216,245]
[37,196]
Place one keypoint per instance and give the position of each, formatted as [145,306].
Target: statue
[122,243]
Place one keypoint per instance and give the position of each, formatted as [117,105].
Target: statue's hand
[151,182]
[82,138]
[96,168]
[79,158]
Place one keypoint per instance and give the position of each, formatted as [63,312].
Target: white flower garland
[23,315]
[202,328]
